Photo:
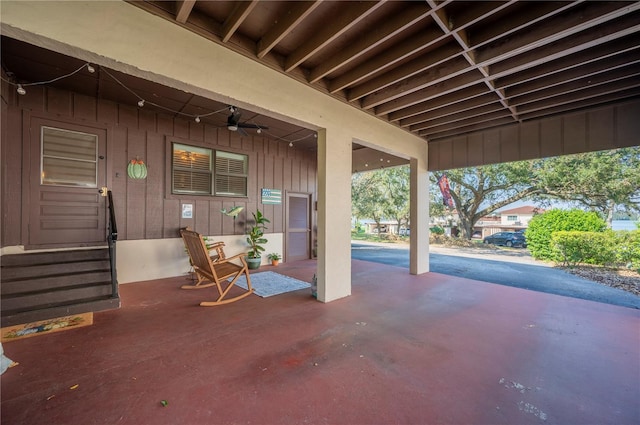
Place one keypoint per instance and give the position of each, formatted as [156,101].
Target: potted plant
[255,239]
[274,257]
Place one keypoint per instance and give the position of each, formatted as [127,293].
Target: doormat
[11,333]
[267,284]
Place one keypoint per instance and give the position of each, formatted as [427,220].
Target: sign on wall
[187,210]
[271,196]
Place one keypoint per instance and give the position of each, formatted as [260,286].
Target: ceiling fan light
[232,127]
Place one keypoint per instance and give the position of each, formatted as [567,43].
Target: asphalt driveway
[505,267]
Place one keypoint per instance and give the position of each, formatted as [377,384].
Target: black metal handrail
[112,237]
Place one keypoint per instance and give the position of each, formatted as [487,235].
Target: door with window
[298,229]
[67,173]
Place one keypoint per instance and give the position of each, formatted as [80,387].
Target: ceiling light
[197,119]
[290,144]
[259,130]
[366,165]
[21,90]
[90,68]
[141,103]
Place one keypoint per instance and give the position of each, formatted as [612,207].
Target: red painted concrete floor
[403,349]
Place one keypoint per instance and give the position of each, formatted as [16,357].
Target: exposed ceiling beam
[460,116]
[601,52]
[569,98]
[585,103]
[518,20]
[387,29]
[183,10]
[468,129]
[450,110]
[282,27]
[407,70]
[353,13]
[445,71]
[450,99]
[574,73]
[563,26]
[402,50]
[449,86]
[235,19]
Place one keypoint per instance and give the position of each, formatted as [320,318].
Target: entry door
[298,233]
[67,173]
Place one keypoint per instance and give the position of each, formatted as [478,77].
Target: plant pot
[253,263]
[274,262]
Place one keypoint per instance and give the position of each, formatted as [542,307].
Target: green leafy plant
[573,247]
[274,256]
[255,237]
[542,226]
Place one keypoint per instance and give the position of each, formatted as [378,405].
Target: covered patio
[403,349]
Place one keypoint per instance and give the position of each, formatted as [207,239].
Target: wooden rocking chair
[216,269]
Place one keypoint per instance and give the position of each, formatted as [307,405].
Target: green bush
[542,226]
[436,230]
[628,249]
[572,247]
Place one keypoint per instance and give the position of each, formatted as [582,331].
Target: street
[505,267]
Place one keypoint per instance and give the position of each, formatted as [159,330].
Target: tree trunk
[610,207]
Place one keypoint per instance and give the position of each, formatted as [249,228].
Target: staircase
[46,285]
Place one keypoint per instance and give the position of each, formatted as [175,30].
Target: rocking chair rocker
[215,269]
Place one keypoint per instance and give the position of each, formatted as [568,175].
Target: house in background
[518,218]
[510,220]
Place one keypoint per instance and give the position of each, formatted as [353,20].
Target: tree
[396,181]
[603,181]
[381,194]
[368,196]
[479,191]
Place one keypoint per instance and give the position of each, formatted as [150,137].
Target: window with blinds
[231,174]
[203,171]
[68,158]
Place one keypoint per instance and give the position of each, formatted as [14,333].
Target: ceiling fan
[234,124]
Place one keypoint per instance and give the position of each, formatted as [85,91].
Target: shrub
[436,230]
[628,249]
[542,226]
[572,247]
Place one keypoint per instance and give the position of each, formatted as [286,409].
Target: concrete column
[419,210]
[334,215]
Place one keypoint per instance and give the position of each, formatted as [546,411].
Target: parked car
[507,239]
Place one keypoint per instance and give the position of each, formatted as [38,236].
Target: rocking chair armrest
[235,257]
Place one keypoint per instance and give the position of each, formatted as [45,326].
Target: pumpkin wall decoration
[137,169]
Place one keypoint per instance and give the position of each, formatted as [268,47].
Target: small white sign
[187,210]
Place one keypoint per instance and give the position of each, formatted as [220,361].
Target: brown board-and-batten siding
[146,209]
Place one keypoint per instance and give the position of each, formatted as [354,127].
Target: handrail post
[111,239]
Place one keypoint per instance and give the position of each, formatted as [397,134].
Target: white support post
[334,215]
[419,210]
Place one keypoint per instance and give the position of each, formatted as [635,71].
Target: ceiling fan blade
[241,131]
